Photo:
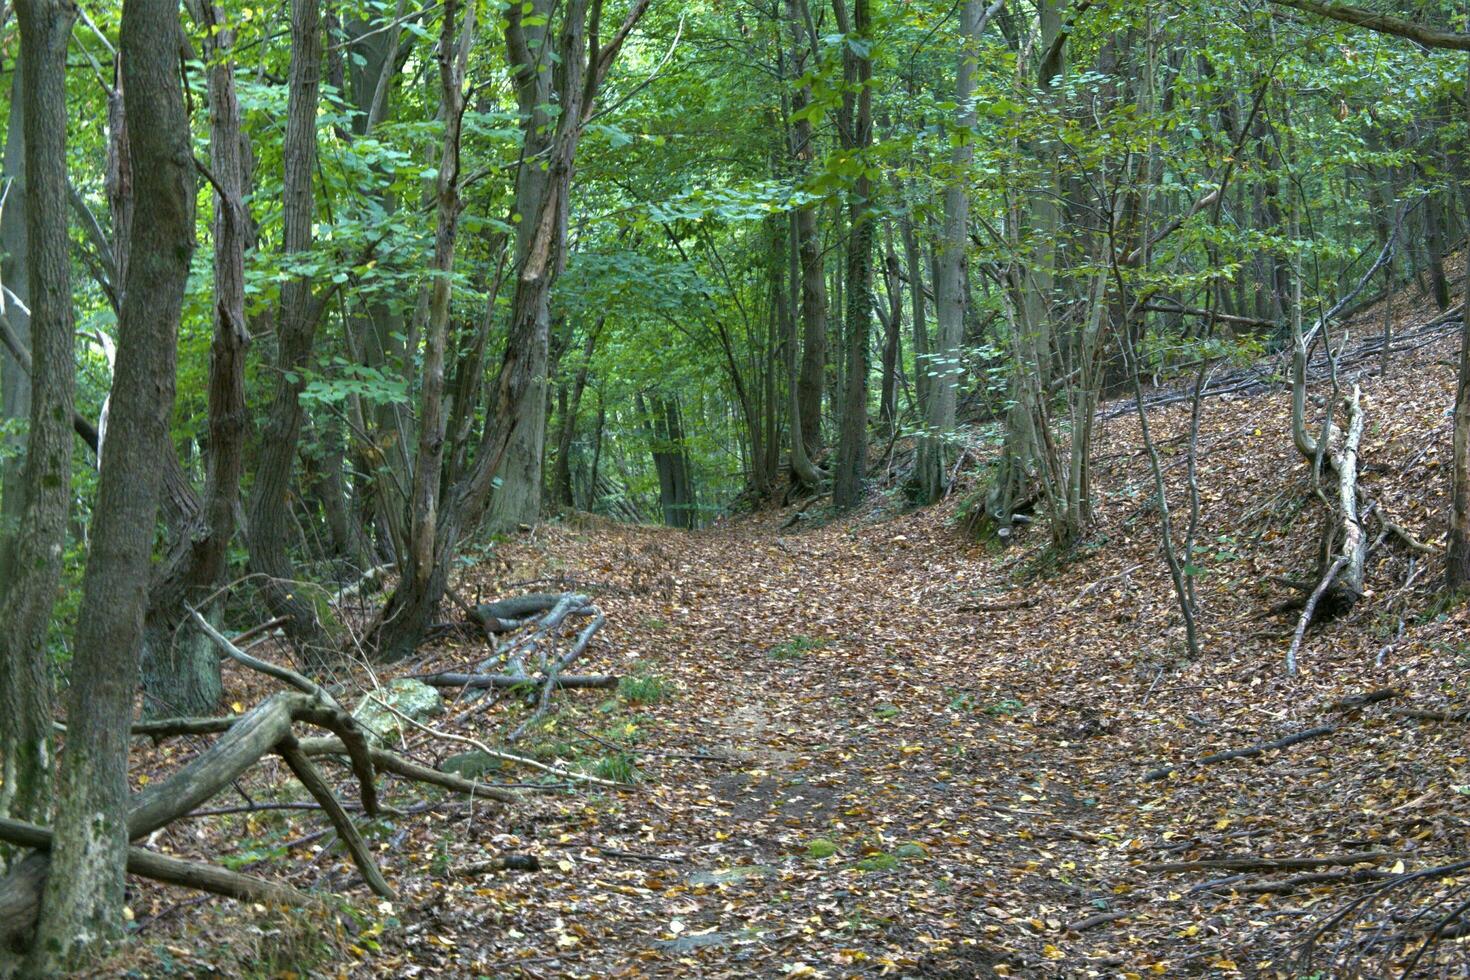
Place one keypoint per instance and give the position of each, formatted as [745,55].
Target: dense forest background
[304,300]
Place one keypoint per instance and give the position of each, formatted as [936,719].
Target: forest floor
[870,747]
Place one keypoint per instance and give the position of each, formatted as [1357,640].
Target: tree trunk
[411,607]
[82,904]
[950,292]
[852,447]
[517,499]
[15,382]
[670,460]
[180,666]
[811,378]
[295,336]
[1434,240]
[25,680]
[892,334]
[561,474]
[1457,563]
[429,461]
[914,262]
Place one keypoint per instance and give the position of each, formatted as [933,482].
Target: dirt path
[886,753]
[845,779]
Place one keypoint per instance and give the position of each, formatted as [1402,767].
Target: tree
[82,903]
[857,133]
[180,666]
[950,292]
[36,553]
[583,64]
[299,313]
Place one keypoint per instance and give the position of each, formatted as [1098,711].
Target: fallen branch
[290,750]
[386,761]
[1246,752]
[1093,921]
[1361,700]
[510,862]
[475,743]
[1425,714]
[1310,609]
[543,703]
[1275,864]
[472,681]
[171,870]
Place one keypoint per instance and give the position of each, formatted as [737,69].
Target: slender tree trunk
[561,474]
[25,680]
[852,447]
[295,337]
[429,461]
[914,262]
[950,292]
[82,903]
[522,368]
[15,382]
[811,377]
[1434,240]
[892,338]
[1457,563]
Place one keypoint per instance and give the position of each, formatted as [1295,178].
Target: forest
[793,488]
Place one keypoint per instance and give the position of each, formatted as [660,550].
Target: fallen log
[599,682]
[510,614]
[1246,752]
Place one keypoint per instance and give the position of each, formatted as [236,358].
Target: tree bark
[82,904]
[15,382]
[517,500]
[429,461]
[561,473]
[810,378]
[1457,562]
[180,667]
[25,680]
[270,523]
[950,292]
[852,446]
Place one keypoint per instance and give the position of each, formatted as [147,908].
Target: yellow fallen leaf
[1398,867]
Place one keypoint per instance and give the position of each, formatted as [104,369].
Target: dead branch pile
[267,729]
[540,620]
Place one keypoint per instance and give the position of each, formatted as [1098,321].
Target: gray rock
[414,698]
[725,876]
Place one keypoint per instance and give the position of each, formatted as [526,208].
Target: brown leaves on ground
[840,772]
